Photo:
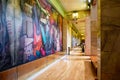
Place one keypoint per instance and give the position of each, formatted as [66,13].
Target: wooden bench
[94,62]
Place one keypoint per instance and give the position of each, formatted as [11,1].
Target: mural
[28,31]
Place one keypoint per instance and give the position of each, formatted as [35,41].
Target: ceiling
[80,6]
[74,5]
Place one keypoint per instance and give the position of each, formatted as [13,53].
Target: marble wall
[94,29]
[110,40]
[88,36]
[94,36]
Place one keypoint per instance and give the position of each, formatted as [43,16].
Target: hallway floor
[68,67]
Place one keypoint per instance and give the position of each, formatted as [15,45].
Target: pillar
[110,40]
[64,35]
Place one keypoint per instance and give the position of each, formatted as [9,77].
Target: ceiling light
[83,38]
[75,15]
[82,34]
[89,1]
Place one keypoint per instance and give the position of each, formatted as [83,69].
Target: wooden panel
[50,59]
[40,63]
[94,61]
[10,74]
[26,70]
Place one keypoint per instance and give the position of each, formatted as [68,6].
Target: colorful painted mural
[29,30]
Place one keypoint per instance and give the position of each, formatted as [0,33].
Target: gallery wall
[29,30]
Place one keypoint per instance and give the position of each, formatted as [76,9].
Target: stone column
[110,40]
[88,37]
[64,35]
[95,34]
[94,29]
[69,36]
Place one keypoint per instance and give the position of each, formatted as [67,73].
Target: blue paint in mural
[43,33]
[36,20]
[38,54]
[5,58]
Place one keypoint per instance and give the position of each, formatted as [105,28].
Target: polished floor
[69,67]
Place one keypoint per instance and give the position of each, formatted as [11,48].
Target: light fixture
[89,1]
[82,34]
[75,15]
[83,38]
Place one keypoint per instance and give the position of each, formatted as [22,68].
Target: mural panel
[28,31]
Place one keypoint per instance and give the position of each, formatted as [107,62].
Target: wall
[110,40]
[88,36]
[65,35]
[69,36]
[94,29]
[99,39]
[28,31]
[95,34]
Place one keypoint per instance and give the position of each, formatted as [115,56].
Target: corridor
[41,40]
[68,67]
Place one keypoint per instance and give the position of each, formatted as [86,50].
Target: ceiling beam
[58,7]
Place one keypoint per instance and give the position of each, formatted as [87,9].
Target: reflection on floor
[68,67]
[77,51]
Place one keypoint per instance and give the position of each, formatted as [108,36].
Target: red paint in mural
[37,41]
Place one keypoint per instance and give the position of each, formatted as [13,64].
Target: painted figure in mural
[14,24]
[48,44]
[38,46]
[1,35]
[56,38]
[60,22]
[27,36]
[45,30]
[27,20]
[43,24]
[51,20]
[5,58]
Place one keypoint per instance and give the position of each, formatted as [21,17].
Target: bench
[94,62]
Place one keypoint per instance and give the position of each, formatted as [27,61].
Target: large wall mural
[29,30]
